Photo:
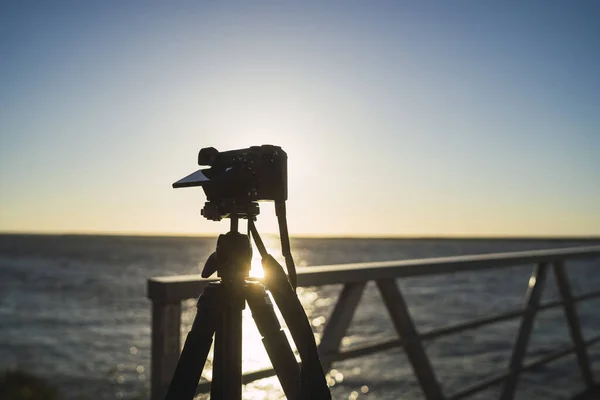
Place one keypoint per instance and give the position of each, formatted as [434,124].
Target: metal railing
[167,293]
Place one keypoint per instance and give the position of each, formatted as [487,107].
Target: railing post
[564,288]
[166,325]
[339,320]
[403,323]
[534,294]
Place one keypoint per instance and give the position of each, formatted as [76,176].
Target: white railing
[167,293]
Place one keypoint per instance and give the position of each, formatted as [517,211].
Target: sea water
[73,309]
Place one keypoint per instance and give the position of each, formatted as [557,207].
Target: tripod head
[232,258]
[218,209]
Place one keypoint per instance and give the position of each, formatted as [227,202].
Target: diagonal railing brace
[534,294]
[405,327]
[564,289]
[338,322]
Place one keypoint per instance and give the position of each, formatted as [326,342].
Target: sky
[463,118]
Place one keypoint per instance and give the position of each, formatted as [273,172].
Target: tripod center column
[234,254]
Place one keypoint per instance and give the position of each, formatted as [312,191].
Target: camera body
[239,177]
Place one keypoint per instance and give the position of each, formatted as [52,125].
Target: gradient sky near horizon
[399,118]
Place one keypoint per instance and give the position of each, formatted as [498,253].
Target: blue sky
[449,118]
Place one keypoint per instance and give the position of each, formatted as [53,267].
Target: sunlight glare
[256,269]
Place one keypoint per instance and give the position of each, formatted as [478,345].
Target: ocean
[73,309]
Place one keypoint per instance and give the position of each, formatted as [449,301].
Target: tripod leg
[312,377]
[197,345]
[274,339]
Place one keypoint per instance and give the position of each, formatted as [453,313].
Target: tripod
[219,313]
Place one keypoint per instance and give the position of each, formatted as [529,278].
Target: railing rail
[167,293]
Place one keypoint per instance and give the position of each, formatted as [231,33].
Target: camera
[237,178]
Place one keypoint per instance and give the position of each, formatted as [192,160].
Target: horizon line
[313,236]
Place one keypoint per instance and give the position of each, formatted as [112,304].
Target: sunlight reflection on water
[254,355]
